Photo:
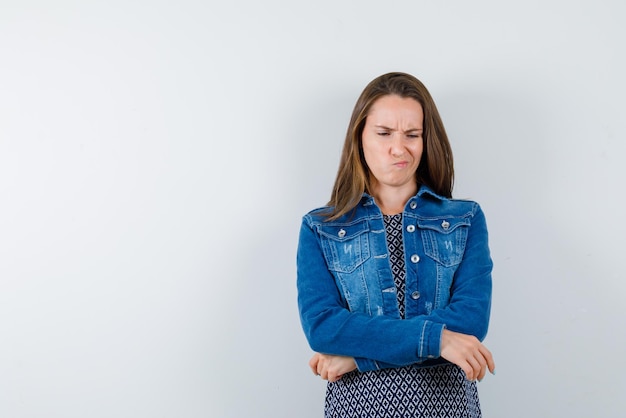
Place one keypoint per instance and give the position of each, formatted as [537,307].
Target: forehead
[393,107]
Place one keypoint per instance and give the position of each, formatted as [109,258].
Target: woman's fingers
[313,363]
[322,367]
[475,368]
[491,365]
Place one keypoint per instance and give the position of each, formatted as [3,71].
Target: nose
[396,145]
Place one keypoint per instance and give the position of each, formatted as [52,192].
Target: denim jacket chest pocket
[345,247]
[444,238]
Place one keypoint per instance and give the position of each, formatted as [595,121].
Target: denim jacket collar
[368,199]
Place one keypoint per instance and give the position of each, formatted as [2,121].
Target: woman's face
[392,141]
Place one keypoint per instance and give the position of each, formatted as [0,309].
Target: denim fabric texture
[346,293]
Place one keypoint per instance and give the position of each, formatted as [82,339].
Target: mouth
[401,164]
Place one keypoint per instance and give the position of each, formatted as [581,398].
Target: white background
[156,158]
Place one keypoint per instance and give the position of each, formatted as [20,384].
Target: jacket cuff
[430,340]
[365,365]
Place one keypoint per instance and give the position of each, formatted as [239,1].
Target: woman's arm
[463,350]
[470,295]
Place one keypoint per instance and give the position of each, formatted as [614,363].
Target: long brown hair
[436,168]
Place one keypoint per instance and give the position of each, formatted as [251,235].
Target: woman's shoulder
[319,214]
[433,205]
[463,202]
[323,214]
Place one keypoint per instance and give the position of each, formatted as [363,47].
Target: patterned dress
[439,391]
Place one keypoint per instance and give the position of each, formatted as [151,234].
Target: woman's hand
[330,367]
[467,352]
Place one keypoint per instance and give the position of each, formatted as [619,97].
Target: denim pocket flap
[343,232]
[443,225]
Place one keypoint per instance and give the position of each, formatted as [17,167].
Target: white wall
[156,157]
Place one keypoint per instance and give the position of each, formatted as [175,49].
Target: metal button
[415,258]
[413,205]
[410,228]
[445,225]
[342,233]
[415,295]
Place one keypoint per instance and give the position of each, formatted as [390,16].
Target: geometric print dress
[439,392]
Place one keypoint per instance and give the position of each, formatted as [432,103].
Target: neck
[391,200]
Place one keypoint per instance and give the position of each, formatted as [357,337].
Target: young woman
[394,276]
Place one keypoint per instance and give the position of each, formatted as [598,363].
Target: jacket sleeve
[331,328]
[470,300]
[470,295]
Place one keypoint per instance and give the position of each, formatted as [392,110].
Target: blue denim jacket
[347,296]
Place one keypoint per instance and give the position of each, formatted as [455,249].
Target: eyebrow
[407,131]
